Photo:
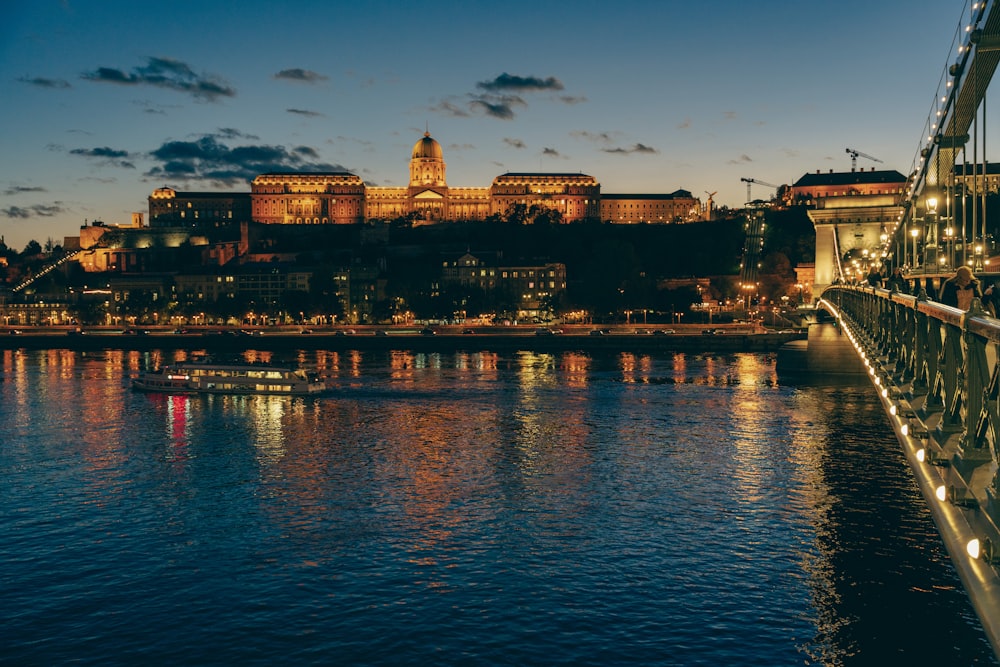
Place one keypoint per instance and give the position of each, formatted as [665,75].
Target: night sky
[104,101]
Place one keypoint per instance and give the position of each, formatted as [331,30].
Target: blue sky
[104,101]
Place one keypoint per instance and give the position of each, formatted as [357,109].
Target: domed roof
[427,148]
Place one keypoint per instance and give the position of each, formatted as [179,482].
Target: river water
[466,508]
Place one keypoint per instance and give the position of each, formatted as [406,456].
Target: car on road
[663,332]
[427,331]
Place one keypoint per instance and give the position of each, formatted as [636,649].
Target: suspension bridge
[935,367]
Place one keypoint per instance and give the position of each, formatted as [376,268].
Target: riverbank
[587,339]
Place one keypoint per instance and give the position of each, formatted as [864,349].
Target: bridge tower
[854,214]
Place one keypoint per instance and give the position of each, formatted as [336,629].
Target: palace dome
[427,148]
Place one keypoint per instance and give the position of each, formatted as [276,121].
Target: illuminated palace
[343,198]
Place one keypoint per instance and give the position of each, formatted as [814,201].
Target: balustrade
[937,370]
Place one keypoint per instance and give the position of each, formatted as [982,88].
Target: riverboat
[197,377]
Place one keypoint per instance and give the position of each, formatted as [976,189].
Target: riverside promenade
[585,338]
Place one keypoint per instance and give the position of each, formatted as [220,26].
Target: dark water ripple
[466,510]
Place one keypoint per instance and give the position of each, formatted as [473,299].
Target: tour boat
[198,377]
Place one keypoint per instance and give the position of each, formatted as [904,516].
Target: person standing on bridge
[959,290]
[896,282]
[874,277]
[991,298]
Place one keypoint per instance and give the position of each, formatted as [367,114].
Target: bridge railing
[938,372]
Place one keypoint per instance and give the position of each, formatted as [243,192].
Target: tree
[31,249]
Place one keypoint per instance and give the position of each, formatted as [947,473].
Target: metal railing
[937,372]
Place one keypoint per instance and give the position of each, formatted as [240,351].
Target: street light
[914,233]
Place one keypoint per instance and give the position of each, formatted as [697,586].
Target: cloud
[22,189]
[300,75]
[636,148]
[729,115]
[596,137]
[520,83]
[550,152]
[165,73]
[513,143]
[502,97]
[208,158]
[684,124]
[305,112]
[99,152]
[742,159]
[107,155]
[42,82]
[449,108]
[497,106]
[36,211]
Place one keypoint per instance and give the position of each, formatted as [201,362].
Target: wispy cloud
[497,106]
[22,189]
[513,143]
[742,159]
[300,75]
[635,148]
[305,112]
[520,83]
[36,211]
[596,137]
[502,96]
[165,73]
[42,82]
[106,155]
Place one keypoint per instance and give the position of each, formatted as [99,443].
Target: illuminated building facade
[818,186]
[169,208]
[343,198]
[528,287]
[677,206]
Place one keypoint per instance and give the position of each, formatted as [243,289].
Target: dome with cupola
[427,165]
[427,148]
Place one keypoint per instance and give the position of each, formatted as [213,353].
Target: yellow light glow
[904,429]
[973,548]
[921,454]
[942,493]
[892,411]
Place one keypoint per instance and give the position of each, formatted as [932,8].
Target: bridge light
[904,429]
[921,454]
[973,548]
[941,493]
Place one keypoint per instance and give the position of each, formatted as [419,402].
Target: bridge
[935,368]
[937,372]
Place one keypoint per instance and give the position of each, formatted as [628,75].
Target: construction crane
[749,181]
[855,154]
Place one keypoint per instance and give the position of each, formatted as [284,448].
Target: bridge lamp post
[949,238]
[931,241]
[914,233]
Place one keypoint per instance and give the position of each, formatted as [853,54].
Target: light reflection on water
[466,507]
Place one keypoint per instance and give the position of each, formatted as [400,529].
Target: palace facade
[344,198]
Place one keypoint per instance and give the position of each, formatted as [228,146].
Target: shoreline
[234,341]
